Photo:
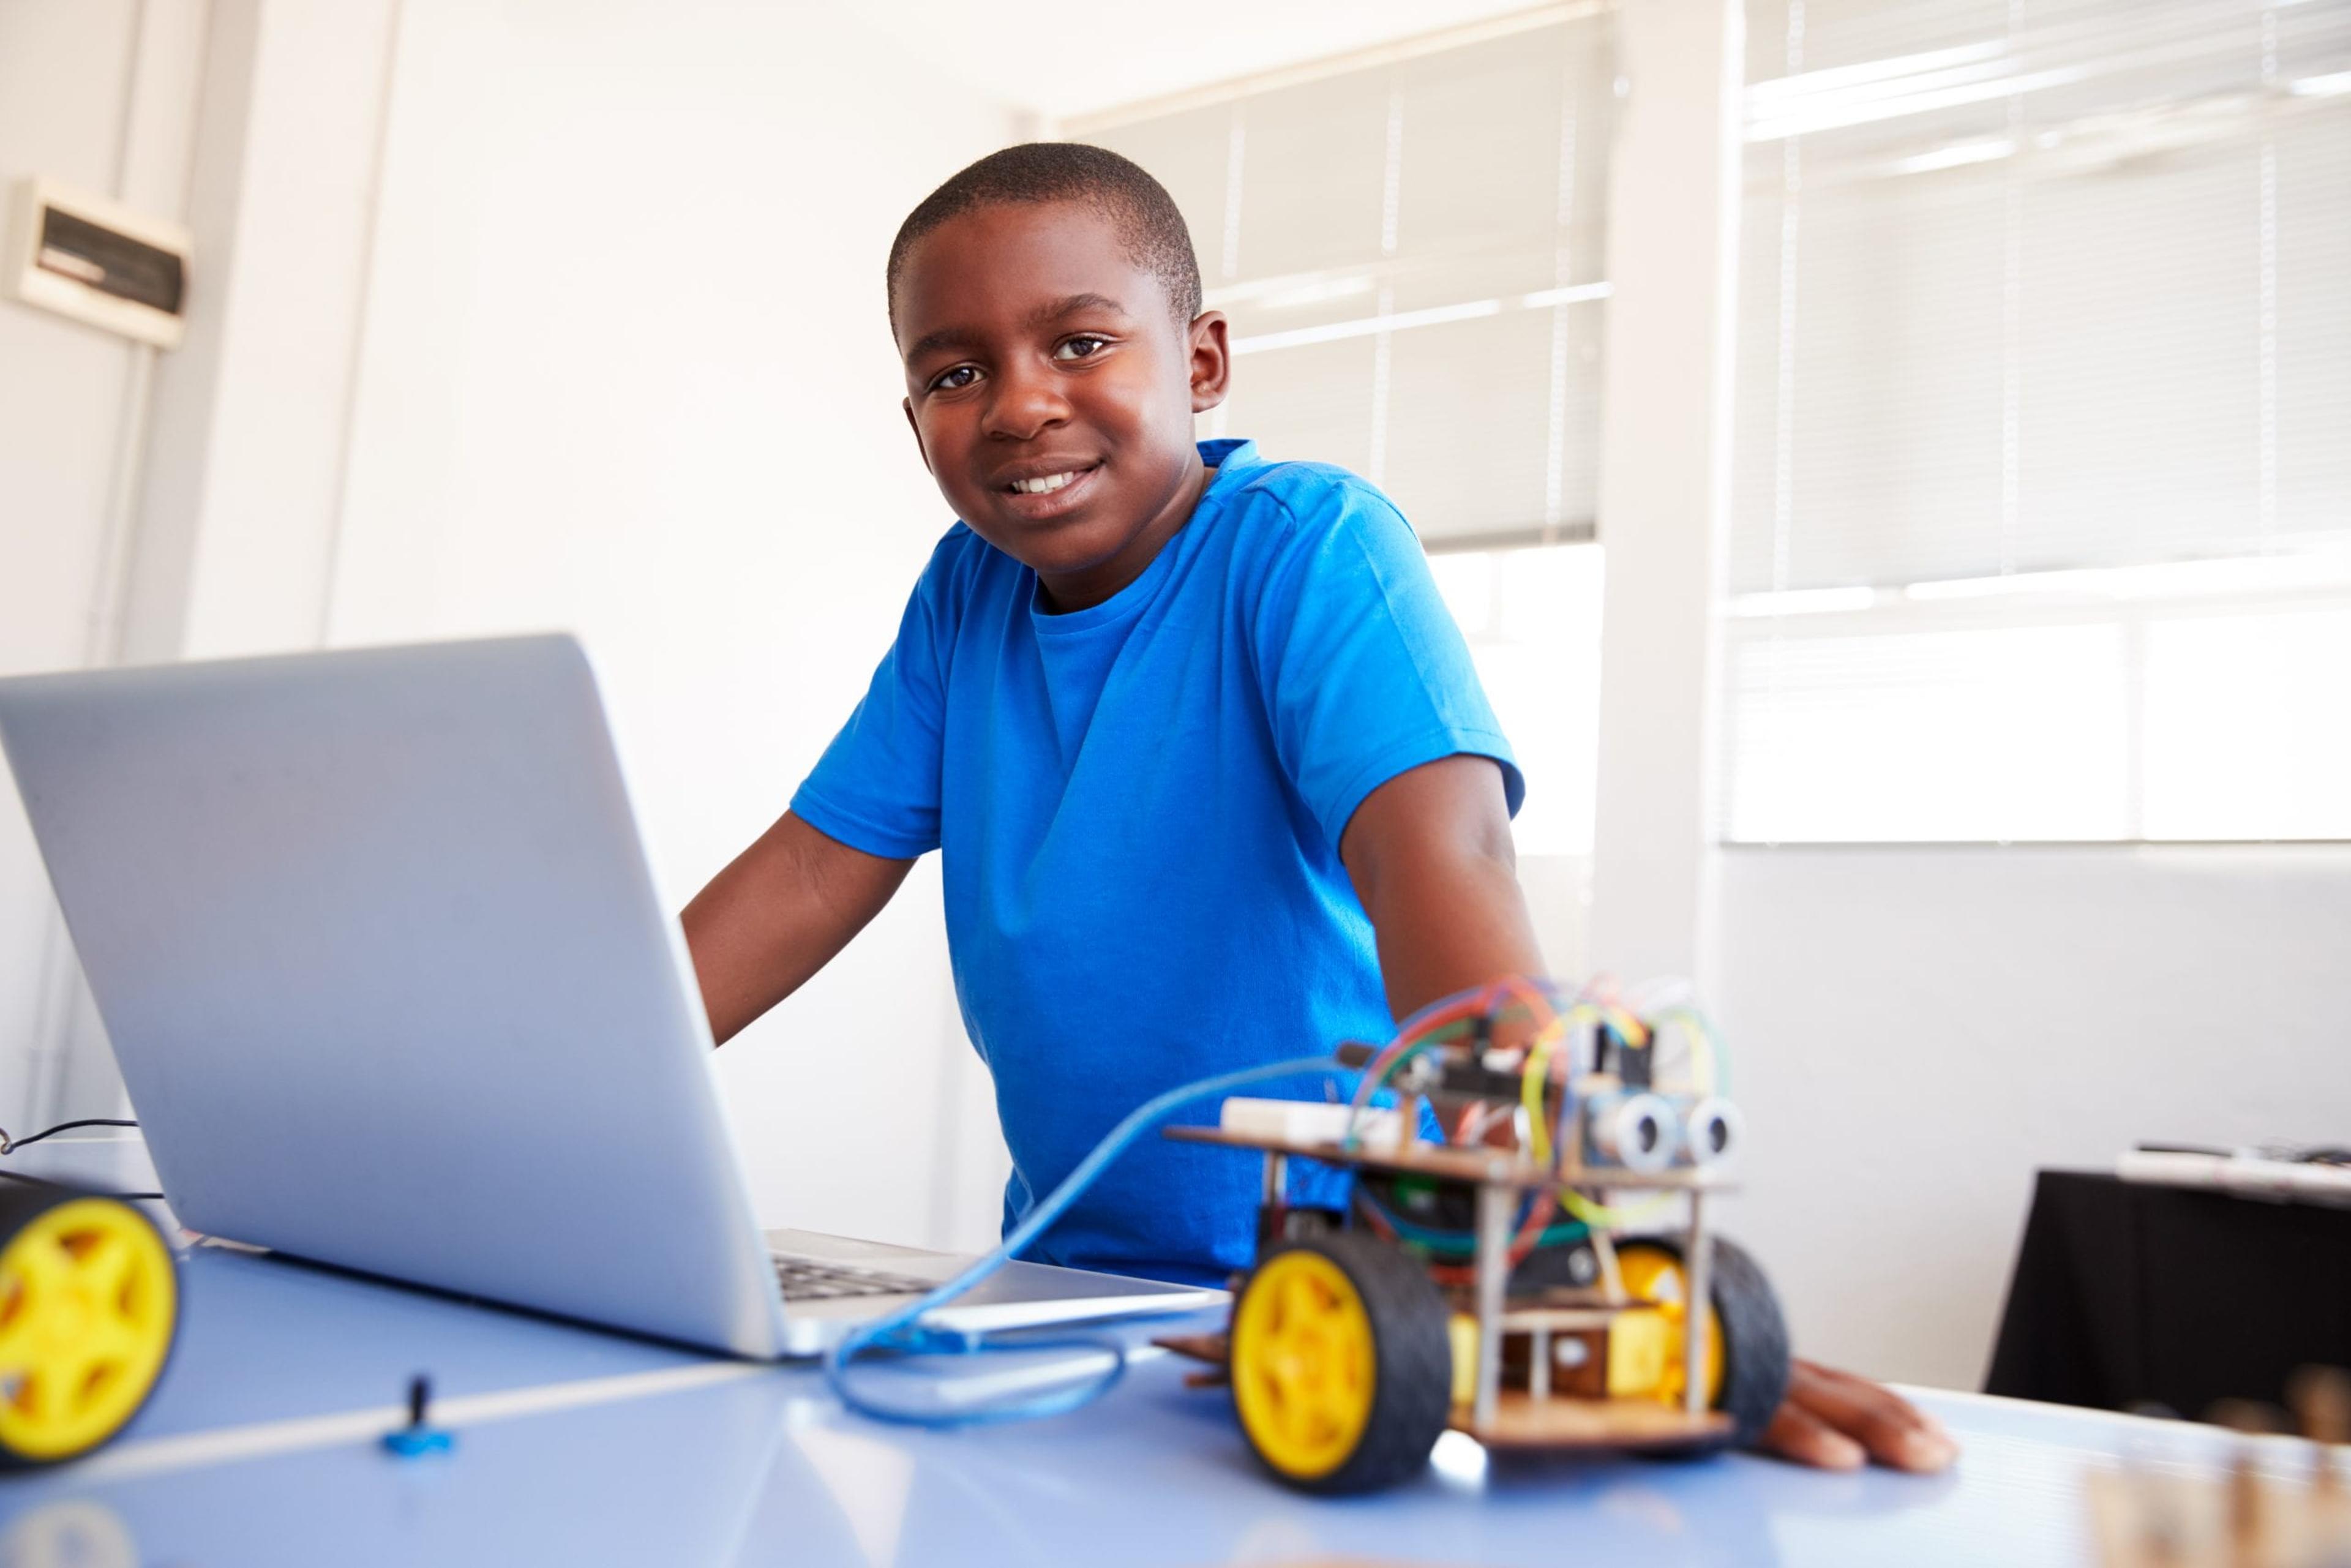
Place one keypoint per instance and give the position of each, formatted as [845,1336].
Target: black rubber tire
[20,1203]
[1412,1361]
[1754,1344]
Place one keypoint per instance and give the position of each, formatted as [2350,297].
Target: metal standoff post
[1698,1266]
[1495,1202]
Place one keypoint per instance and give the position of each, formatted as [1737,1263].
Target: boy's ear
[1212,361]
[908,403]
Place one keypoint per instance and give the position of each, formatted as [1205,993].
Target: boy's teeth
[1051,482]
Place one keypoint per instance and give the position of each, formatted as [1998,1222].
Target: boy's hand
[1835,1421]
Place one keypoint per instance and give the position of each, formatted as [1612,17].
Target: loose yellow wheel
[1745,1337]
[1342,1364]
[89,1302]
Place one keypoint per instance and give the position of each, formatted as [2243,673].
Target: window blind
[2044,379]
[1409,252]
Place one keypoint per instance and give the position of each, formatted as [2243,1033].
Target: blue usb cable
[902,1333]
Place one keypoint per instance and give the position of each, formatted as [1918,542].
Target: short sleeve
[876,788]
[1366,676]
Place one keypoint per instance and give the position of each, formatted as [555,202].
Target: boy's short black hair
[1147,216]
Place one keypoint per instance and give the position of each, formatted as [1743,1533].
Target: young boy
[1210,772]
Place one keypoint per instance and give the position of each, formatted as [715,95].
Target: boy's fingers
[1874,1395]
[1797,1434]
[1894,1431]
[1862,1389]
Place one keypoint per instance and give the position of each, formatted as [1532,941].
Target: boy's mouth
[1034,497]
[1046,484]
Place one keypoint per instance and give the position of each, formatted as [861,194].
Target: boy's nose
[1025,406]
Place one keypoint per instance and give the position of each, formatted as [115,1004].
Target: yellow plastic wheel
[1745,1337]
[89,1302]
[1303,1371]
[1341,1363]
[1654,1273]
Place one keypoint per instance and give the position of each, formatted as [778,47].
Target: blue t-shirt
[1139,807]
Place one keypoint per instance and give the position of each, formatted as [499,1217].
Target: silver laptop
[382,963]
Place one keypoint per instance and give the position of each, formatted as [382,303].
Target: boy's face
[1038,349]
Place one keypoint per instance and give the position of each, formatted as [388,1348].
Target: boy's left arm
[1431,858]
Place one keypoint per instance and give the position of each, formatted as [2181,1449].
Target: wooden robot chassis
[1538,1416]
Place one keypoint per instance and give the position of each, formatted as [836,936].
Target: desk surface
[578,1447]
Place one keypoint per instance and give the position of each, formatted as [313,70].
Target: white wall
[1915,1030]
[1664,498]
[99,94]
[245,462]
[625,370]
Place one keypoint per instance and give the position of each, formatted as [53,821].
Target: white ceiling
[1062,57]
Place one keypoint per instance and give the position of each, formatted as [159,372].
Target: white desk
[576,1446]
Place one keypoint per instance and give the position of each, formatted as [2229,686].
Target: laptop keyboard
[806,1279]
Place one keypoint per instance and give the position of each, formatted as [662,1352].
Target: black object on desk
[2127,1294]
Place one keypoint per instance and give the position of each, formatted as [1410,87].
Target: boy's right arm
[777,915]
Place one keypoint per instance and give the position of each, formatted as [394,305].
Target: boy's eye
[1083,346]
[954,380]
